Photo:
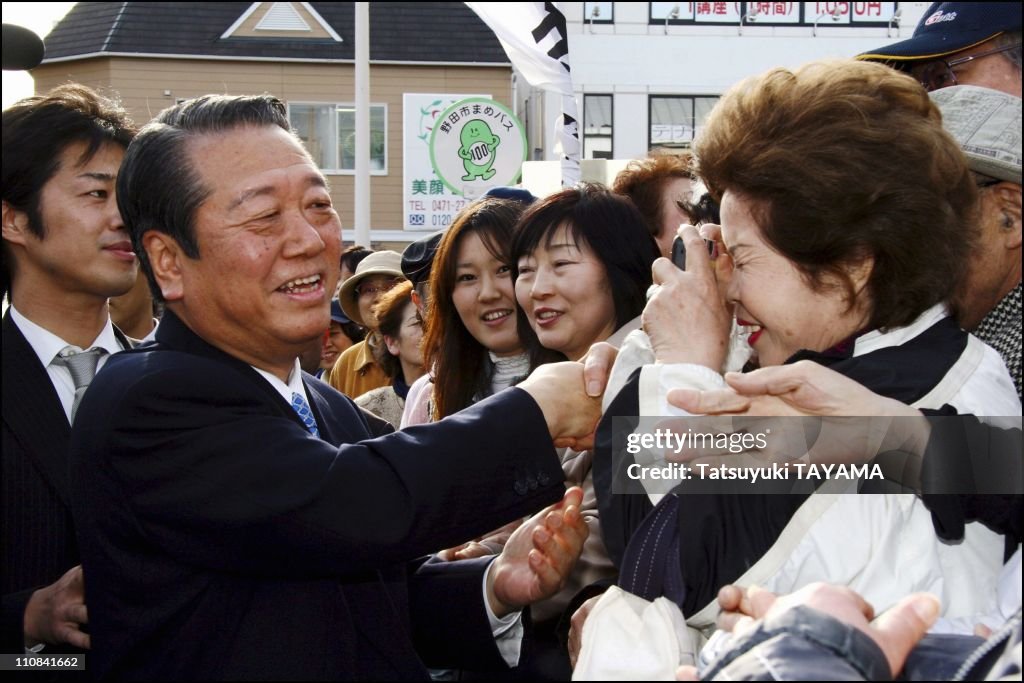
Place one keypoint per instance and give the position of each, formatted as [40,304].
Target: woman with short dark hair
[582,265]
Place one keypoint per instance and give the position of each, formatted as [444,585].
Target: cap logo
[939,16]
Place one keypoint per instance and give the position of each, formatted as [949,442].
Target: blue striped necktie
[305,414]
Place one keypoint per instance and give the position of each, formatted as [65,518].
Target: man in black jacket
[65,252]
[237,517]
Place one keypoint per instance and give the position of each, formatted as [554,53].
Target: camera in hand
[679,252]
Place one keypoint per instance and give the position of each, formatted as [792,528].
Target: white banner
[536,41]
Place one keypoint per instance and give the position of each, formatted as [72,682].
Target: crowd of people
[233,449]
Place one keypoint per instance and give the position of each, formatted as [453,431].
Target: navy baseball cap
[418,257]
[338,315]
[949,27]
[516,194]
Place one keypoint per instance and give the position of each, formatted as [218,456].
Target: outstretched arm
[538,557]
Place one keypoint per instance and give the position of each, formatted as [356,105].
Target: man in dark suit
[65,251]
[237,520]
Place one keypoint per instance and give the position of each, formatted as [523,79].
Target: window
[597,127]
[329,133]
[674,121]
[598,12]
[670,12]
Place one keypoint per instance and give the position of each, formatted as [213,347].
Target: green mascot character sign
[477,144]
[477,150]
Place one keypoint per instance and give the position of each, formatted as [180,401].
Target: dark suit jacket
[38,540]
[222,541]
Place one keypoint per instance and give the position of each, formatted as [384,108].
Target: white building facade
[645,74]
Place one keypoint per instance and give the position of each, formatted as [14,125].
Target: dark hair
[611,227]
[704,210]
[644,181]
[457,361]
[36,132]
[159,189]
[848,160]
[353,330]
[389,311]
[352,255]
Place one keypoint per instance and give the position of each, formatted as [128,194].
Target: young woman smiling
[470,341]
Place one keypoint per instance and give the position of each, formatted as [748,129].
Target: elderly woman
[846,212]
[667,194]
[399,357]
[662,189]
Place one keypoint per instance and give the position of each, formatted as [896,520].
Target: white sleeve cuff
[508,630]
[656,380]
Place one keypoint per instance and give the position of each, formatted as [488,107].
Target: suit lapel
[339,420]
[32,410]
[175,334]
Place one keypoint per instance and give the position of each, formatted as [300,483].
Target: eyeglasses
[939,74]
[367,289]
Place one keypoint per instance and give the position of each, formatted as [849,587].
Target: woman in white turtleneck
[470,340]
[581,260]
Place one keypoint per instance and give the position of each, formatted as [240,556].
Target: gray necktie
[82,365]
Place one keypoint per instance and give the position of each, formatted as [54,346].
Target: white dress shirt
[286,389]
[47,347]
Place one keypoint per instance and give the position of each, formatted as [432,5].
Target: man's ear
[1008,200]
[166,259]
[15,224]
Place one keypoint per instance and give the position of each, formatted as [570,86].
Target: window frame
[587,9]
[693,114]
[601,136]
[336,107]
